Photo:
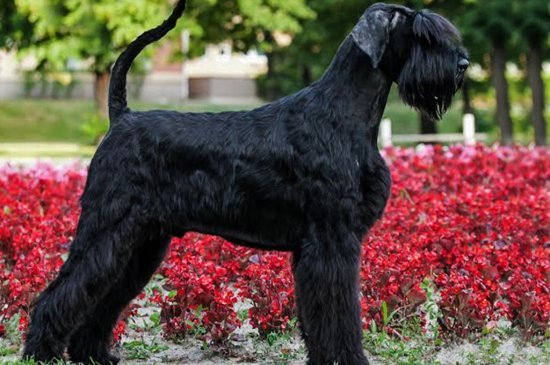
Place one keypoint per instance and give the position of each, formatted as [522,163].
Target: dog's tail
[117,87]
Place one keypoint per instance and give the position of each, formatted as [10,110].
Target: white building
[219,76]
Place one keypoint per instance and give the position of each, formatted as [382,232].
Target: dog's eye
[393,18]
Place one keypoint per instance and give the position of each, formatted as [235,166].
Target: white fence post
[468,135]
[185,42]
[385,133]
[469,129]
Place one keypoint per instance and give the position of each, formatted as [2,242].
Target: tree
[92,30]
[533,20]
[14,27]
[265,25]
[313,48]
[488,26]
[247,22]
[97,30]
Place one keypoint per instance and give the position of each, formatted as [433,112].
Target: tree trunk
[101,92]
[271,92]
[427,124]
[498,77]
[534,67]
[466,98]
[306,75]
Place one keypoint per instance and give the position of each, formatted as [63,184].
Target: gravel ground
[156,350]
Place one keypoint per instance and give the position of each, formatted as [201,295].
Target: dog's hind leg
[295,263]
[90,343]
[95,262]
[327,293]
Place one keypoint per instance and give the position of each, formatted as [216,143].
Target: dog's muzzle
[463,65]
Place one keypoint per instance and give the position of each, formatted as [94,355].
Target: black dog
[302,174]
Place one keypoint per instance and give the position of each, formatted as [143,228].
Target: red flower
[474,220]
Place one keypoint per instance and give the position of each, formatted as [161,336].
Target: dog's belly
[241,213]
[258,224]
[253,205]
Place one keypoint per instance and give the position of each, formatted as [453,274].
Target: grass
[141,350]
[413,348]
[40,149]
[39,120]
[42,120]
[417,349]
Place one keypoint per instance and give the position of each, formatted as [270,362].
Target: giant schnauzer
[302,174]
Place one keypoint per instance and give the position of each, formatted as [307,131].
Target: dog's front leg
[326,273]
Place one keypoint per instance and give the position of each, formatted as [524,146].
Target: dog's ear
[372,34]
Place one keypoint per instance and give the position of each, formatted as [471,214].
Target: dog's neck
[362,89]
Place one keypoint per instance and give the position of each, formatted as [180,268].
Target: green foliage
[430,309]
[57,31]
[250,23]
[13,335]
[410,347]
[489,17]
[313,48]
[15,28]
[8,350]
[95,29]
[532,18]
[276,338]
[141,350]
[95,128]
[87,29]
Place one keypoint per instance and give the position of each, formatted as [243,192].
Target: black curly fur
[301,174]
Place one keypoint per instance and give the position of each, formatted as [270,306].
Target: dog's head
[420,51]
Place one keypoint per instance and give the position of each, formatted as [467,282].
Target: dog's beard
[459,80]
[429,80]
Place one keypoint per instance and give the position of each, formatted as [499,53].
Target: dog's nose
[463,64]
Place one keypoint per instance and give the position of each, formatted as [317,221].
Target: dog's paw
[357,359]
[41,354]
[113,359]
[103,359]
[42,357]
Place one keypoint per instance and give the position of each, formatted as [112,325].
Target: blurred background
[55,58]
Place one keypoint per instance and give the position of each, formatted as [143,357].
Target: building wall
[220,89]
[156,87]
[218,76]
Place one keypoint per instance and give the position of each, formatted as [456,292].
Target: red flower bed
[200,271]
[38,214]
[476,221]
[473,220]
